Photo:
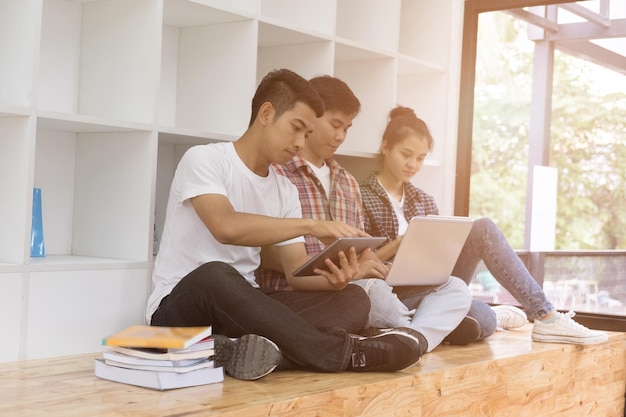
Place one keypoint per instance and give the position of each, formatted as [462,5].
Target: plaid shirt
[343,204]
[380,218]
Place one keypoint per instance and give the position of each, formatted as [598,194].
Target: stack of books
[159,358]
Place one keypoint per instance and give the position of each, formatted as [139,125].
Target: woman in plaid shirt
[390,201]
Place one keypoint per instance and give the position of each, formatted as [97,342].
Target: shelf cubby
[169,153]
[305,54]
[307,16]
[208,71]
[18,38]
[371,23]
[372,78]
[86,305]
[423,21]
[99,59]
[11,299]
[189,13]
[95,192]
[15,162]
[196,12]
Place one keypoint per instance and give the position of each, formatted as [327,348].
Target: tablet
[332,252]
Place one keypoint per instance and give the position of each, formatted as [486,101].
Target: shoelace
[504,321]
[364,353]
[358,358]
[567,320]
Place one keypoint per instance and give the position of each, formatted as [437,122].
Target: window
[533,95]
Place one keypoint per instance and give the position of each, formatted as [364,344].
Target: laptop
[429,250]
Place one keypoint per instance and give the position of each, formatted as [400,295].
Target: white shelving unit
[100,98]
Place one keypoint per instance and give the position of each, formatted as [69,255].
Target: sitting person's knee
[485,316]
[386,309]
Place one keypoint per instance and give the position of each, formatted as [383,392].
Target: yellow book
[141,336]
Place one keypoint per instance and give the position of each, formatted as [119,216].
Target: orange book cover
[141,336]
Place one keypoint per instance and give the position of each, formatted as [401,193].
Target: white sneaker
[509,317]
[566,330]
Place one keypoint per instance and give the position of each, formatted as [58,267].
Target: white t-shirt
[186,243]
[398,208]
[322,174]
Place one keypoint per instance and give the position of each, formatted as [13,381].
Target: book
[203,363]
[142,336]
[163,354]
[204,344]
[158,380]
[117,357]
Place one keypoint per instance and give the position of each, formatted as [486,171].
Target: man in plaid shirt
[328,191]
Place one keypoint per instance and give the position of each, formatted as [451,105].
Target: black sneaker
[466,332]
[250,357]
[389,351]
[375,331]
[371,331]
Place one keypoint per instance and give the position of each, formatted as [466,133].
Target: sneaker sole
[248,358]
[576,340]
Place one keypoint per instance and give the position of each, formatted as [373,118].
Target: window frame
[472,10]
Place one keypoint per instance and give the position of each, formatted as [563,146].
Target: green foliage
[588,142]
[500,137]
[588,145]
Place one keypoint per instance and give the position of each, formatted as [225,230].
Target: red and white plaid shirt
[343,204]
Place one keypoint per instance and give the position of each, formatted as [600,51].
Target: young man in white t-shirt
[225,203]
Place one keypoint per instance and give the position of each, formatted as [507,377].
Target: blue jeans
[487,243]
[310,328]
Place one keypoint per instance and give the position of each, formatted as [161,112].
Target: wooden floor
[508,375]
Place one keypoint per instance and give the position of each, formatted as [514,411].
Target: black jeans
[310,328]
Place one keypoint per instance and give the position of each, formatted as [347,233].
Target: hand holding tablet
[342,244]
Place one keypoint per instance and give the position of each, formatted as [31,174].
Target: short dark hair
[336,95]
[283,88]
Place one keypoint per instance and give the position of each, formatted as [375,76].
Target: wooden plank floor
[507,375]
